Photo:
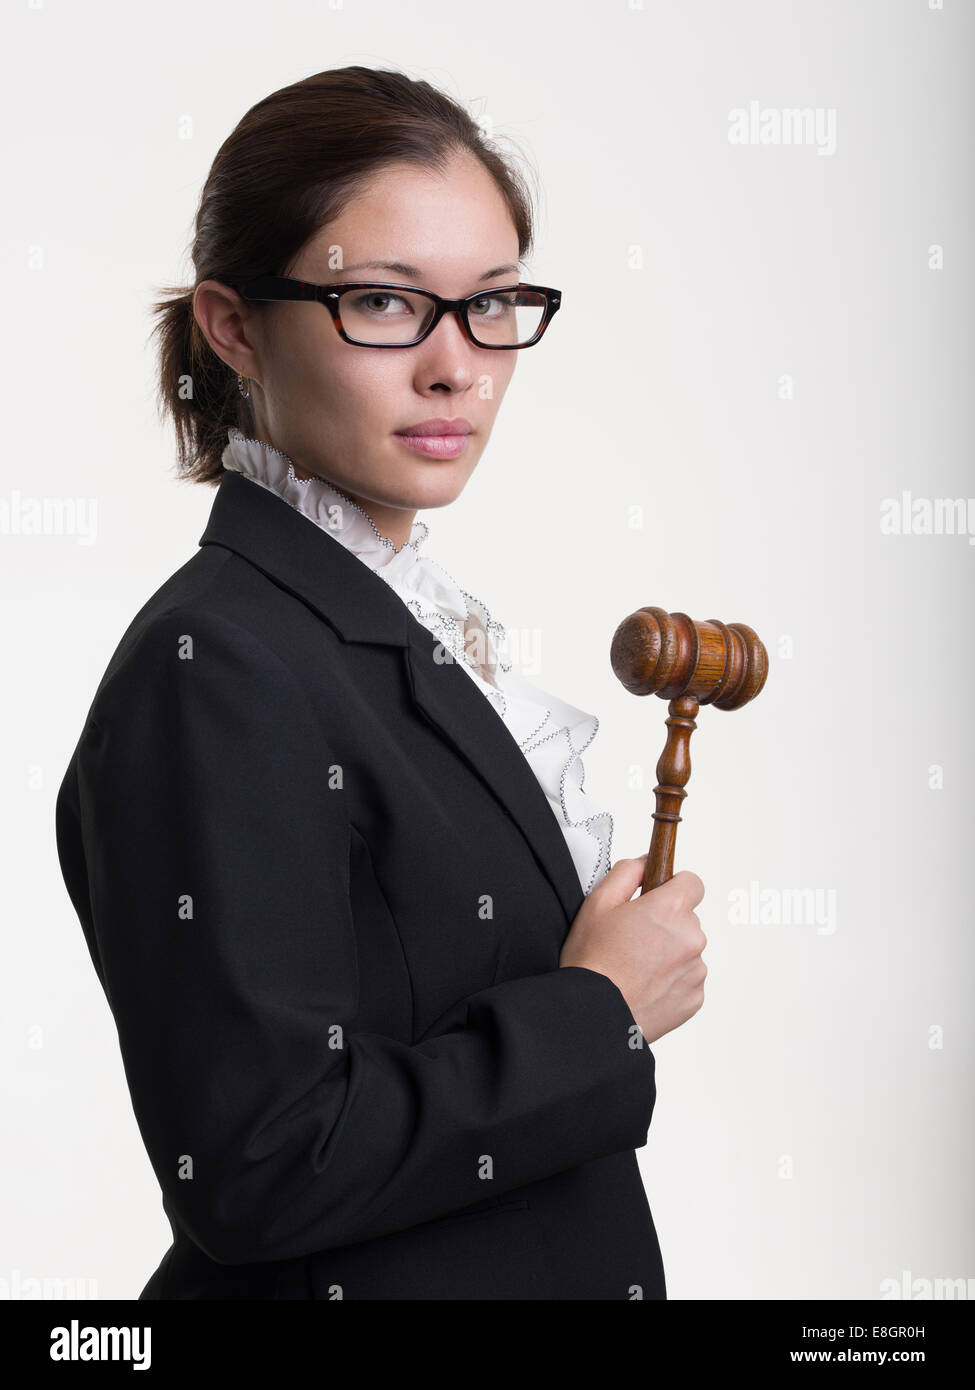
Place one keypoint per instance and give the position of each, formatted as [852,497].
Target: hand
[649,947]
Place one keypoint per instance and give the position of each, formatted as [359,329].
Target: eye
[492,306]
[372,303]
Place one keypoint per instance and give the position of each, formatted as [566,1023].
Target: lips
[428,428]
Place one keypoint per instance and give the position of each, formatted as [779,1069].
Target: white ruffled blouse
[551,733]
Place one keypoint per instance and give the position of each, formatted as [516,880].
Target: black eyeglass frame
[282,287]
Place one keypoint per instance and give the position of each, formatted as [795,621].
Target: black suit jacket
[325,897]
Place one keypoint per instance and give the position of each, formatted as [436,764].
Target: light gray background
[811,1137]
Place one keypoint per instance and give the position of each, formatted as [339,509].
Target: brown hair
[291,165]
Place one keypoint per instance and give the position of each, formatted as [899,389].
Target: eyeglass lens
[396,317]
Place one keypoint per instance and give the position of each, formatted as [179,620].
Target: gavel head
[668,654]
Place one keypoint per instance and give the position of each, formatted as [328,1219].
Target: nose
[447,354]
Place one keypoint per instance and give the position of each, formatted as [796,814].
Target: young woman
[383,1006]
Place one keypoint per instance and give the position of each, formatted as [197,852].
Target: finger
[688,885]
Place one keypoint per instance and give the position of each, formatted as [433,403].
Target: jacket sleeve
[218,873]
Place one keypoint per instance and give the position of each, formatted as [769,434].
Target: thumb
[623,879]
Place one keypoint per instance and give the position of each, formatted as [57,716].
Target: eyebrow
[414,272]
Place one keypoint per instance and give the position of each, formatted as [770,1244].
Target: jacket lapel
[291,550]
[450,700]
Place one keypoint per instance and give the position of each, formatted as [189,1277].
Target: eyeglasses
[370,313]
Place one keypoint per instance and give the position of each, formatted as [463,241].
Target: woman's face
[335,408]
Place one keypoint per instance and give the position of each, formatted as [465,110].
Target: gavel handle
[673,770]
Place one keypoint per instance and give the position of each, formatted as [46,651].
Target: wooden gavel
[690,664]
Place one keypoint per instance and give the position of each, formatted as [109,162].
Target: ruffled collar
[551,733]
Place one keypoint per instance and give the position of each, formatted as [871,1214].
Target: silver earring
[244,391]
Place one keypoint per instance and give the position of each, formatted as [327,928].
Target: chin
[440,483]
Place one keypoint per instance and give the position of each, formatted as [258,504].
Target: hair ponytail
[195,388]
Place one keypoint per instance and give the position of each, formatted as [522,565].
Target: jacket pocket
[492,1207]
[498,1251]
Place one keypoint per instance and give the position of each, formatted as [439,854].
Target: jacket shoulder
[215,590]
